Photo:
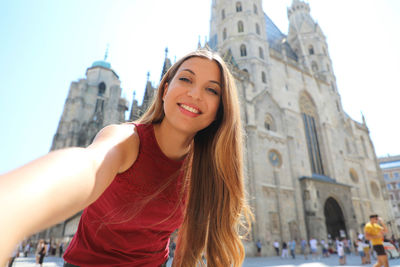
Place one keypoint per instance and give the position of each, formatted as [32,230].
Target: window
[238,7]
[255,9]
[257,29]
[243,51]
[240,26]
[398,185]
[309,114]
[224,34]
[394,186]
[396,175]
[269,123]
[389,186]
[102,89]
[261,52]
[263,77]
[223,14]
[386,176]
[391,197]
[328,68]
[311,50]
[323,49]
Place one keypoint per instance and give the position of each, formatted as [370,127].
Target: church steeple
[167,64]
[307,39]
[238,32]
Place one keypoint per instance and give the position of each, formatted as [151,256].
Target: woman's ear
[165,90]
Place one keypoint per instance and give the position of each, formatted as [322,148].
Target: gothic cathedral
[311,170]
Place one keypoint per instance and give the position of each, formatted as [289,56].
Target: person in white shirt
[314,248]
[340,251]
[360,250]
[276,246]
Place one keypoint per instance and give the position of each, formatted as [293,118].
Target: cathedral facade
[311,170]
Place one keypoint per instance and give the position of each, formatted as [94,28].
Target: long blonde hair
[216,202]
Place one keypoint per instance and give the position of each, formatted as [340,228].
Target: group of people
[40,249]
[373,237]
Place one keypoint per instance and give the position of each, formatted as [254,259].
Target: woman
[179,166]
[40,252]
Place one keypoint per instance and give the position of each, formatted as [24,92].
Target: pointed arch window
[257,29]
[255,9]
[309,115]
[223,14]
[240,26]
[263,77]
[243,50]
[261,52]
[101,89]
[311,50]
[224,34]
[328,68]
[238,6]
[269,123]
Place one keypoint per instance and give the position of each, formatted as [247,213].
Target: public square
[352,260]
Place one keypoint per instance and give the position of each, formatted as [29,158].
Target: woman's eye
[213,91]
[184,79]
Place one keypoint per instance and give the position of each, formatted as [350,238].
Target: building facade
[390,166]
[311,170]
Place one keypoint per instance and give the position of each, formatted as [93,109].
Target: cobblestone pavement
[249,262]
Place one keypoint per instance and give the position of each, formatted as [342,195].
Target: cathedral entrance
[334,219]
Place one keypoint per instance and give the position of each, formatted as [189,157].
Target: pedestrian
[303,245]
[61,249]
[26,249]
[276,247]
[292,246]
[41,252]
[341,254]
[258,244]
[179,166]
[285,253]
[367,251]
[374,231]
[314,248]
[360,250]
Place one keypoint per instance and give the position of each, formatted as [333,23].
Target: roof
[276,39]
[101,63]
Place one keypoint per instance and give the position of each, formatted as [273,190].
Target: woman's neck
[174,144]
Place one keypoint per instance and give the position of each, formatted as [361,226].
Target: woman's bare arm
[61,183]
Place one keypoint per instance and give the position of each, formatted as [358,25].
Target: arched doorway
[334,219]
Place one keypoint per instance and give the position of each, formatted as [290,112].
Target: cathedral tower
[309,43]
[92,103]
[237,31]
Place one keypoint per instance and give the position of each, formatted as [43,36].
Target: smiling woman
[178,167]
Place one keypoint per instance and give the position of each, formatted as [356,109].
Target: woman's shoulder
[125,139]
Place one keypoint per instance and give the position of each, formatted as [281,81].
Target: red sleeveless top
[128,225]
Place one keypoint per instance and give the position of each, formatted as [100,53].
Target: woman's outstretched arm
[58,185]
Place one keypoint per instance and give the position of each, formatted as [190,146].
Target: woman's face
[192,97]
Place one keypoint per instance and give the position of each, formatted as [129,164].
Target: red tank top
[108,235]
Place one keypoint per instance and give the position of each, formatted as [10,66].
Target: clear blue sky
[46,44]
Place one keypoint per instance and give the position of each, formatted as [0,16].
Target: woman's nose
[195,92]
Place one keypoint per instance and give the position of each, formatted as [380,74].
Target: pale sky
[47,44]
